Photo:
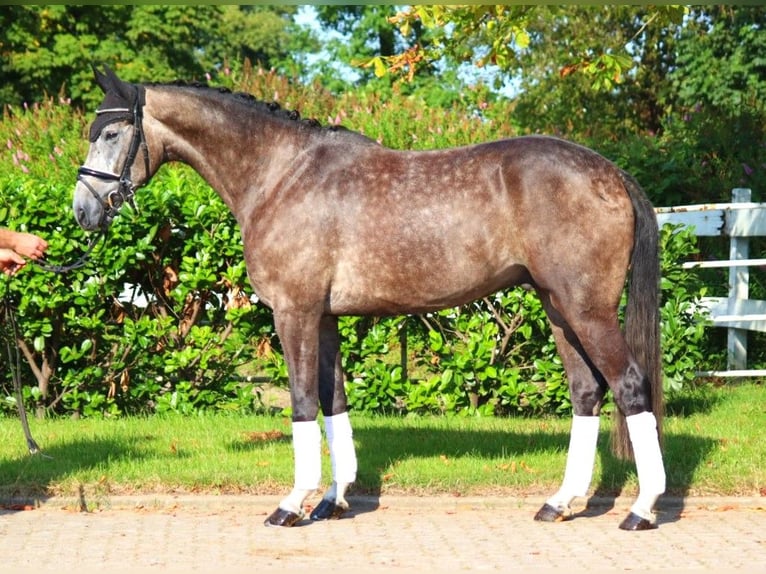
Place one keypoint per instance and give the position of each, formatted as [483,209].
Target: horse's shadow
[683,453]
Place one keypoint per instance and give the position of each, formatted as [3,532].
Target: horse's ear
[109,82]
[102,80]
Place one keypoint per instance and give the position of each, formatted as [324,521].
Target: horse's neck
[231,155]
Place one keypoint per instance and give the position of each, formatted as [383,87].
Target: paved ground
[225,534]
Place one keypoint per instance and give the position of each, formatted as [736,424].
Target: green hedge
[162,318]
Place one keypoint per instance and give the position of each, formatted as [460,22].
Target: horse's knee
[304,404]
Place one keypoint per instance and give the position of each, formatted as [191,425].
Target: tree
[719,88]
[368,28]
[361,37]
[50,49]
[603,84]
[571,64]
[673,95]
[362,32]
[723,60]
[264,36]
[499,35]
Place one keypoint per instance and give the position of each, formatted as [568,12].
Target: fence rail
[738,220]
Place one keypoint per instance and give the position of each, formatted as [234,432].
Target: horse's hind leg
[332,398]
[587,391]
[632,393]
[603,347]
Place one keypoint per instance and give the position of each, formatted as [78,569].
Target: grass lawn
[714,444]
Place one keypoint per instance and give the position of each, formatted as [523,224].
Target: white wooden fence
[738,220]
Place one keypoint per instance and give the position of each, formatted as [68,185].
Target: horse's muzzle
[88,212]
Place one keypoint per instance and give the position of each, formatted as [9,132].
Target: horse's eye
[111,135]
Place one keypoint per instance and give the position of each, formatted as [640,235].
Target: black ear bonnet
[123,102]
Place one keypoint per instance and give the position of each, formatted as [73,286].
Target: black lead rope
[80,262]
[11,336]
[110,207]
[11,333]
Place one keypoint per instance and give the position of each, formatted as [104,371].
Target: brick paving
[390,533]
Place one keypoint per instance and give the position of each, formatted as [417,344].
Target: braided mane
[273,108]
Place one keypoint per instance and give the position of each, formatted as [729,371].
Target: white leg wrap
[342,451]
[580,460]
[294,501]
[307,449]
[651,472]
[340,493]
[337,494]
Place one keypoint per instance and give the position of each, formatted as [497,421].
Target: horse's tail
[642,315]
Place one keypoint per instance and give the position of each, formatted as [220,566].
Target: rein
[79,262]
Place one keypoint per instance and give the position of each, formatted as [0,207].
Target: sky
[307,17]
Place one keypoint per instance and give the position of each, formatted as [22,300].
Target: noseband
[126,189]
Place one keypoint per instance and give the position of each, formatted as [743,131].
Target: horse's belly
[419,289]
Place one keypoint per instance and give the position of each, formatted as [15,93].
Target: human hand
[29,245]
[10,261]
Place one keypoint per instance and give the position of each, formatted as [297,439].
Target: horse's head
[112,172]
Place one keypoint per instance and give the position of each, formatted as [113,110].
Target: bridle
[126,189]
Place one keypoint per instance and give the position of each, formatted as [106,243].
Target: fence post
[739,279]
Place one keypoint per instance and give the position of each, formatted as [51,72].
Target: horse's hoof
[549,513]
[284,518]
[327,510]
[635,522]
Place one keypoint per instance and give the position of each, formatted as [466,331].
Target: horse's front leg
[299,335]
[332,398]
